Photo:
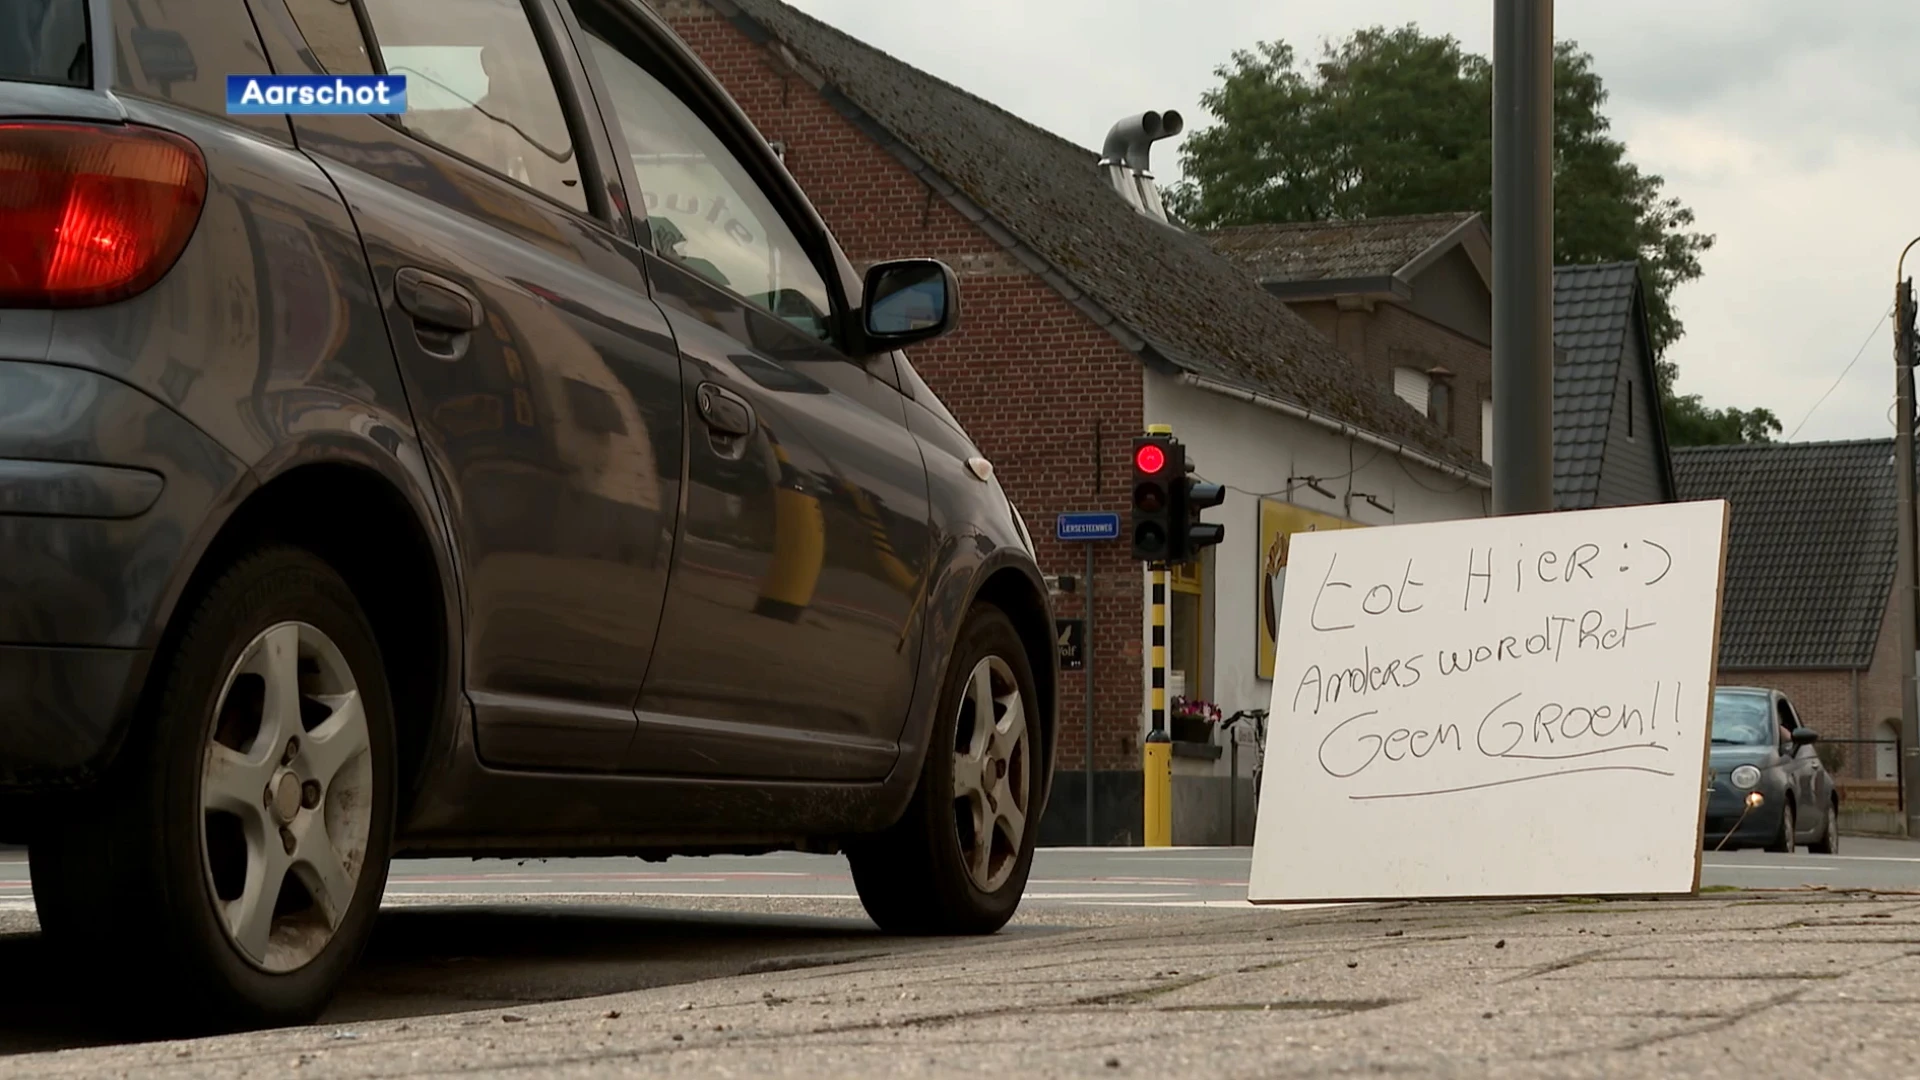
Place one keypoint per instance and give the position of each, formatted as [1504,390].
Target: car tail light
[91,214]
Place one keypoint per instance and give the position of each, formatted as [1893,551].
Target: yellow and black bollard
[1158,767]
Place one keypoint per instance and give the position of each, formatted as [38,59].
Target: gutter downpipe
[1340,427]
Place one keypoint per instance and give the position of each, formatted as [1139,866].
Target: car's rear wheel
[1829,841]
[958,859]
[235,860]
[1787,839]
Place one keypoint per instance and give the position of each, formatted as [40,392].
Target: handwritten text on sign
[1512,706]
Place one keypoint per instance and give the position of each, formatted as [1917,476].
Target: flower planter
[1195,729]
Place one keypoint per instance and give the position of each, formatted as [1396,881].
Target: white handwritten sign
[1507,706]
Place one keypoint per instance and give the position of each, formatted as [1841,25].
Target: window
[1440,405]
[45,41]
[1412,384]
[1630,410]
[1486,432]
[476,85]
[333,33]
[706,211]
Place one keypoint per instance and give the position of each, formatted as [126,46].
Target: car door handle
[724,411]
[436,302]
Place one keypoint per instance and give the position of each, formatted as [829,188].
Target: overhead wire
[1871,334]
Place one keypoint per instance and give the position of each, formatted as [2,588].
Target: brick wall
[1383,336]
[1880,688]
[1825,699]
[1027,374]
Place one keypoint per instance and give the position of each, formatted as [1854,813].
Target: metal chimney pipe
[1170,125]
[1128,139]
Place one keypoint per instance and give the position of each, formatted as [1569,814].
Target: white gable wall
[1251,448]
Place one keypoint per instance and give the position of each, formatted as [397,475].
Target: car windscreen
[45,41]
[1743,720]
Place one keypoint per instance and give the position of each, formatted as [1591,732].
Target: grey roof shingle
[1592,313]
[1194,310]
[1289,252]
[1811,548]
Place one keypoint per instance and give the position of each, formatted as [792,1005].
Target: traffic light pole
[1167,531]
[1158,764]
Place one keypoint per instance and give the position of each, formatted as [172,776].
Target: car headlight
[1745,777]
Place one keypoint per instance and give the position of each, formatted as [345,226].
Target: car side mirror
[1803,737]
[908,301]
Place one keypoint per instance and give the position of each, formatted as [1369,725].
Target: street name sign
[1087,526]
[1496,707]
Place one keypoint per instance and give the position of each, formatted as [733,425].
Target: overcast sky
[1792,130]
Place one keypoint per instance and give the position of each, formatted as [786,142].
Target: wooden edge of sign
[1713,685]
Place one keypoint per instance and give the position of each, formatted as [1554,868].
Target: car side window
[477,85]
[705,210]
[332,31]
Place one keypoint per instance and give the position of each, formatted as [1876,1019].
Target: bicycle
[1258,717]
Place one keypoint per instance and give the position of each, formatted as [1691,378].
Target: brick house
[1410,301]
[1808,606]
[1086,316]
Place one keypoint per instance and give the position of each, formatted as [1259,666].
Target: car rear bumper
[59,711]
[103,493]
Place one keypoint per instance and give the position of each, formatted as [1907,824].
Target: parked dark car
[527,474]
[1761,749]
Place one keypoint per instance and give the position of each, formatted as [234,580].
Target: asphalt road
[1127,878]
[462,934]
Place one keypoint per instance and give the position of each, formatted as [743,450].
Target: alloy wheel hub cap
[286,797]
[991,774]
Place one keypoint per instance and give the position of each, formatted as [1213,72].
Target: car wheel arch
[1015,590]
[387,550]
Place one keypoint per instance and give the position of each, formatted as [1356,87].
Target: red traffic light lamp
[1158,465]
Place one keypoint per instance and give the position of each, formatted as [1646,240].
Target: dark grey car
[527,474]
[1768,788]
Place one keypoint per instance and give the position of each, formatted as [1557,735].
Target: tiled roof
[1333,250]
[1173,298]
[1592,312]
[1810,550]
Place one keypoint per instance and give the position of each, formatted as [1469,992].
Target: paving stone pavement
[1743,985]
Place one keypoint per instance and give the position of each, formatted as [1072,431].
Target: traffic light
[1159,471]
[1192,497]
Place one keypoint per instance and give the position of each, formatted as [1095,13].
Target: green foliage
[1393,122]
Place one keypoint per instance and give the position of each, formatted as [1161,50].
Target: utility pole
[1906,577]
[1522,256]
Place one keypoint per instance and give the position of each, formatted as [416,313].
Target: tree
[1394,122]
[1691,423]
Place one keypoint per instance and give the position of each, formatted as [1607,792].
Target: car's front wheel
[1829,842]
[958,859]
[1785,841]
[236,858]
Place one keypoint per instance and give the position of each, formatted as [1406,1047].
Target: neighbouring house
[1807,607]
[1609,432]
[1086,316]
[1410,301]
